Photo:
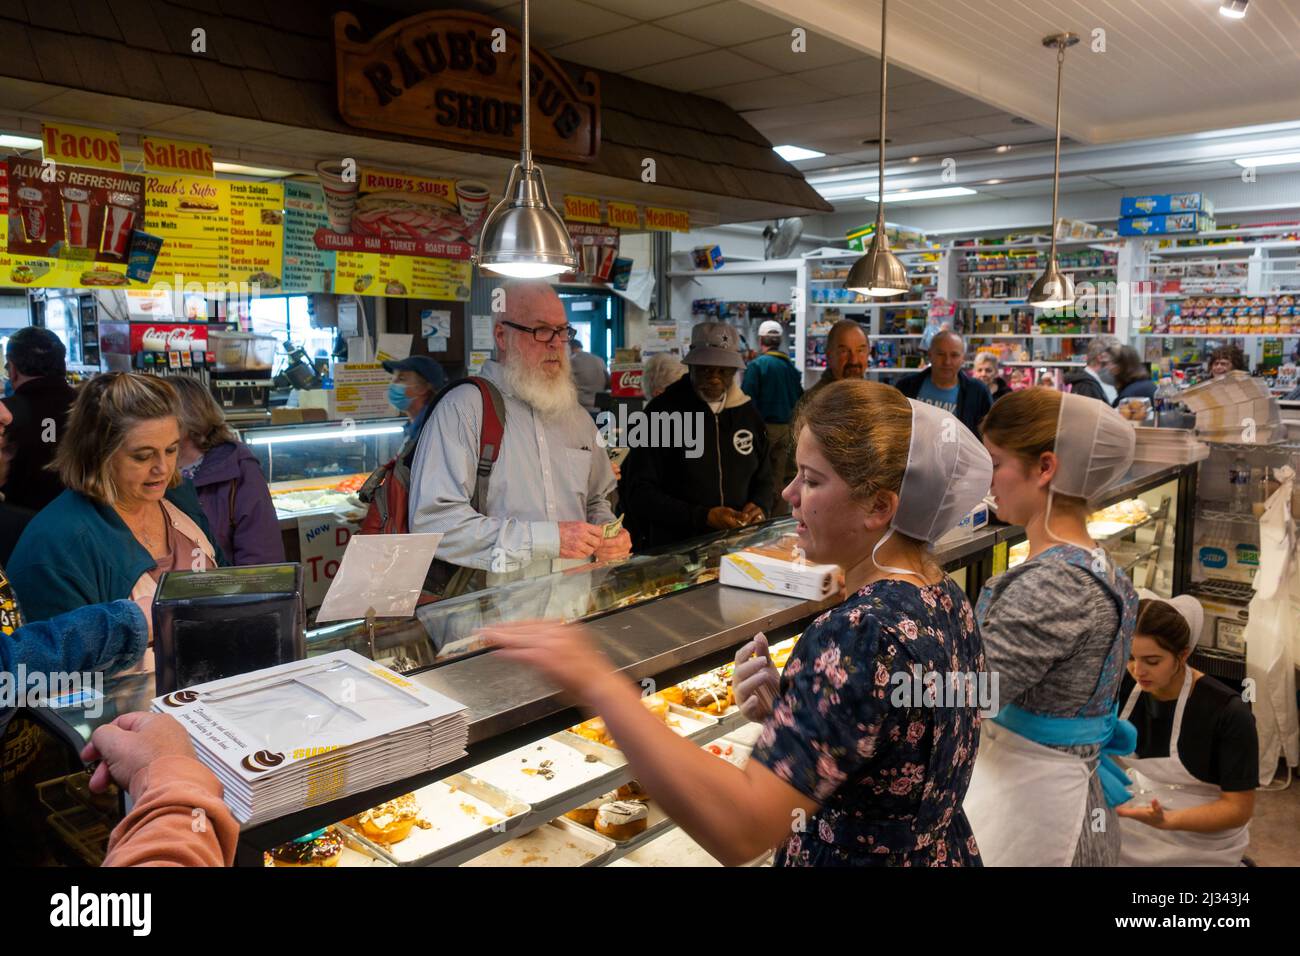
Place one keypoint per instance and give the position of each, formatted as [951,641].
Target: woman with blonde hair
[125,517]
[871,775]
[227,478]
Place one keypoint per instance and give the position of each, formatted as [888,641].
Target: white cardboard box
[777,569]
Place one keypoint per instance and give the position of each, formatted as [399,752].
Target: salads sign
[454,77]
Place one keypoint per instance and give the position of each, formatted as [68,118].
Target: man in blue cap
[417,380]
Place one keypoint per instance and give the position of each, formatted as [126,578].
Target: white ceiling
[824,97]
[965,77]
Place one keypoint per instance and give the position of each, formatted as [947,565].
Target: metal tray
[656,823]
[461,818]
[573,773]
[558,843]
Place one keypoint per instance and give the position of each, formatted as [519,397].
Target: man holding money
[546,505]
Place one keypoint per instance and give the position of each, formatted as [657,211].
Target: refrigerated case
[312,467]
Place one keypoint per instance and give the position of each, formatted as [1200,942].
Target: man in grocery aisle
[723,481]
[848,355]
[547,494]
[946,385]
[1091,380]
[775,386]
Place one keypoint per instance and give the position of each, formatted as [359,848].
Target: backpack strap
[489,438]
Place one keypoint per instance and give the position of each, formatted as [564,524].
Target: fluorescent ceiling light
[13,141]
[1233,9]
[263,172]
[793,154]
[1277,159]
[315,433]
[913,195]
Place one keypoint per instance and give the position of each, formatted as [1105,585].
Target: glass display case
[313,466]
[445,630]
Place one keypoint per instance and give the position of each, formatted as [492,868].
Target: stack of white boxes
[1237,409]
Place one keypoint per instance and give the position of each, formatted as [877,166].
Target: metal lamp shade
[1053,290]
[879,272]
[523,236]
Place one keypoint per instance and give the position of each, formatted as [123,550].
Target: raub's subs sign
[454,77]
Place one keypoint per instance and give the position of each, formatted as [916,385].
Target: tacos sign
[454,77]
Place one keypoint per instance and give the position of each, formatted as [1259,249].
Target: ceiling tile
[647,9]
[557,22]
[701,71]
[776,53]
[630,49]
[845,79]
[774,91]
[727,24]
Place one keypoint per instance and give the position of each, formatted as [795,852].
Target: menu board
[47,272]
[192,214]
[401,277]
[306,268]
[361,390]
[71,212]
[256,233]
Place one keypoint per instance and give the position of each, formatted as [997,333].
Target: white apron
[1167,780]
[1026,802]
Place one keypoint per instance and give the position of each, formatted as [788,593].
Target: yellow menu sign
[582,209]
[401,277]
[192,214]
[32,272]
[256,233]
[624,215]
[81,146]
[667,220]
[176,156]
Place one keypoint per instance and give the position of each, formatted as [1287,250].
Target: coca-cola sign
[163,337]
[626,382]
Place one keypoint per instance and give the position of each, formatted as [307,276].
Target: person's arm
[1231,810]
[752,381]
[99,637]
[178,817]
[443,475]
[736,815]
[256,538]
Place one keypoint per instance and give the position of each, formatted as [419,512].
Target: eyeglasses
[546,333]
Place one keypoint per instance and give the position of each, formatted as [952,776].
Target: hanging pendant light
[879,273]
[523,236]
[1054,289]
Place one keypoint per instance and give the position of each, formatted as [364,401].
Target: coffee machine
[241,374]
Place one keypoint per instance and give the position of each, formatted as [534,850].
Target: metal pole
[880,190]
[526,153]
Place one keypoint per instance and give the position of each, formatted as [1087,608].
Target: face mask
[397,397]
[1107,376]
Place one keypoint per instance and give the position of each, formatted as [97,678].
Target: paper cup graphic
[118,224]
[31,210]
[472,196]
[340,196]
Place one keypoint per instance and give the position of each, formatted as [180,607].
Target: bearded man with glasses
[547,498]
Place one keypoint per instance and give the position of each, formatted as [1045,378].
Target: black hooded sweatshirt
[666,495]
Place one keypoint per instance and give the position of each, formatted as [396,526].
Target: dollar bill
[613,528]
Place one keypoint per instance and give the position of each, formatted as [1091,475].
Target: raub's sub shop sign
[454,77]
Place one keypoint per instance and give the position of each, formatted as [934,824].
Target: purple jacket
[253,536]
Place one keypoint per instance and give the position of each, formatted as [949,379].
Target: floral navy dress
[878,721]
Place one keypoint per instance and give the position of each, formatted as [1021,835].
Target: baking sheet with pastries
[542,773]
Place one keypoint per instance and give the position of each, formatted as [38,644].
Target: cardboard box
[1172,224]
[778,569]
[1165,203]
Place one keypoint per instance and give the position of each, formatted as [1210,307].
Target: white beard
[549,395]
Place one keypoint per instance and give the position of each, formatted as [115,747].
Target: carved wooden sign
[454,77]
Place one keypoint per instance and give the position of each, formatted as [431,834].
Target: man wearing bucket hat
[775,386]
[1057,631]
[723,479]
[1196,766]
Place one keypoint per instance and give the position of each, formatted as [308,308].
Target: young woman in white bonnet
[1196,765]
[845,772]
[1057,631]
